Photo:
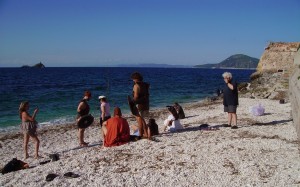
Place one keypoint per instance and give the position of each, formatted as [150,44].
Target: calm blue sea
[57,91]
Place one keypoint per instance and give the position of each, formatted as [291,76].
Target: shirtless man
[141,98]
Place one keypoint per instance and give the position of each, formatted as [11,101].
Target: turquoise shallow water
[57,91]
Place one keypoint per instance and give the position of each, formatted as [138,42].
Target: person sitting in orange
[115,130]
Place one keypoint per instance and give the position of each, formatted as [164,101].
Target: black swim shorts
[230,108]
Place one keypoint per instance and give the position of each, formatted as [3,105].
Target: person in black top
[230,99]
[141,94]
[152,127]
[82,110]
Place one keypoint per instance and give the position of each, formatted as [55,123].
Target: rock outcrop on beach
[278,57]
[39,66]
[277,77]
[235,61]
[267,85]
[271,79]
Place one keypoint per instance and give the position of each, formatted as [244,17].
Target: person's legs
[150,134]
[232,112]
[134,128]
[145,128]
[142,126]
[226,109]
[37,145]
[25,145]
[101,121]
[165,128]
[166,124]
[103,133]
[144,114]
[234,119]
[81,137]
[229,118]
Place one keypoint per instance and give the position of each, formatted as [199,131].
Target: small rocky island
[38,66]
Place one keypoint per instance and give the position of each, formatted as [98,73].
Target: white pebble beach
[263,151]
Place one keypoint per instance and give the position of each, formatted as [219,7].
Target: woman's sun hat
[101,97]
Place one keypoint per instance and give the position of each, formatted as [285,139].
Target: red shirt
[118,132]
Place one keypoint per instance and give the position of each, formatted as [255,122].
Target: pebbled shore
[263,152]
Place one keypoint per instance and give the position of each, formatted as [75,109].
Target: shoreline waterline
[57,91]
[155,112]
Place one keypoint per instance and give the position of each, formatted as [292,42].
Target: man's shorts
[144,113]
[230,108]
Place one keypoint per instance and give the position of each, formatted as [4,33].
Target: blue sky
[64,33]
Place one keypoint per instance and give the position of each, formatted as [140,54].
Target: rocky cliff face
[294,93]
[271,80]
[278,56]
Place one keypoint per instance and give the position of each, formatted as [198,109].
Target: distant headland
[38,65]
[238,61]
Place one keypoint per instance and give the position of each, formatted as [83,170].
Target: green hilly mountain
[234,61]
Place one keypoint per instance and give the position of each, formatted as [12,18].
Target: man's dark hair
[136,75]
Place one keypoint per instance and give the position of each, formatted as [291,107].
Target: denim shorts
[230,108]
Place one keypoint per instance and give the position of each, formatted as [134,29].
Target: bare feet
[38,157]
[101,147]
[26,156]
[26,166]
[84,144]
